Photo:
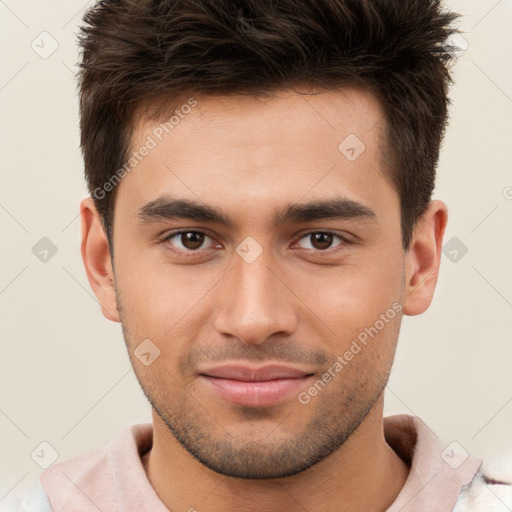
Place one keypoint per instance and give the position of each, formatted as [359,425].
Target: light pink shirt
[112,478]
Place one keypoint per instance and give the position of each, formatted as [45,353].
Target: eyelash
[192,253]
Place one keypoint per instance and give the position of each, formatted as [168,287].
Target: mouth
[255,387]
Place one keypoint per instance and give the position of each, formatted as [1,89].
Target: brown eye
[192,240]
[187,240]
[321,240]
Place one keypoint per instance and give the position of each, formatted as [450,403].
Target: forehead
[242,118]
[254,150]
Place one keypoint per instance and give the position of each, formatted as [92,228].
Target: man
[260,220]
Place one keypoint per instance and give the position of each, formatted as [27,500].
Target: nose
[254,303]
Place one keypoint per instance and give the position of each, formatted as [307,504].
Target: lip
[256,387]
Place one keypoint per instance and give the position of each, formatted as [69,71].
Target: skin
[299,302]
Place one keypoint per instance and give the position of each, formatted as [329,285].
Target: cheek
[350,298]
[159,300]
[362,353]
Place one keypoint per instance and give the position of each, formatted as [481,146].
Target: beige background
[65,376]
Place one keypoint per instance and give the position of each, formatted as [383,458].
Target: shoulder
[78,480]
[490,490]
[95,476]
[33,499]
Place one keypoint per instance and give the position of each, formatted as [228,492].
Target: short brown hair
[134,51]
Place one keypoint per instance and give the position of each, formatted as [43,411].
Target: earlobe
[96,258]
[423,259]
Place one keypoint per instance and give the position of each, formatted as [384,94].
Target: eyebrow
[168,208]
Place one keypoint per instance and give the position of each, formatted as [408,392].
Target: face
[275,299]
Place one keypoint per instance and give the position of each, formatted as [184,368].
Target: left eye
[321,240]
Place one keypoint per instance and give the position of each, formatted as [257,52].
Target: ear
[96,258]
[423,258]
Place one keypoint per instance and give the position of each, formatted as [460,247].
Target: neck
[363,474]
